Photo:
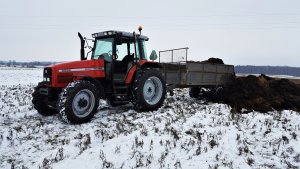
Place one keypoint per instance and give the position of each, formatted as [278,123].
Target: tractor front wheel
[148,90]
[78,102]
[41,104]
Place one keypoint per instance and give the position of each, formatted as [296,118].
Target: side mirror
[153,55]
[119,38]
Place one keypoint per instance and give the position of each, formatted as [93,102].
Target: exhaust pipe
[82,42]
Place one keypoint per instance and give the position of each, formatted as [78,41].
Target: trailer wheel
[213,93]
[79,102]
[148,90]
[40,103]
[218,91]
[194,92]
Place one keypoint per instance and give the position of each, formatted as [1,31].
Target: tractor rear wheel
[78,102]
[40,103]
[148,90]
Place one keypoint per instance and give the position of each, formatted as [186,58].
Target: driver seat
[128,58]
[125,61]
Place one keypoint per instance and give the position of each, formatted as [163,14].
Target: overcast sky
[241,32]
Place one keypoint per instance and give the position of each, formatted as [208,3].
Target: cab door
[104,50]
[125,55]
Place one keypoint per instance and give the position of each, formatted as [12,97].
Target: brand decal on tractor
[80,69]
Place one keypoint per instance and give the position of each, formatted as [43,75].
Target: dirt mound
[261,93]
[214,60]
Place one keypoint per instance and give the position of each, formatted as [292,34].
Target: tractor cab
[120,51]
[119,44]
[123,54]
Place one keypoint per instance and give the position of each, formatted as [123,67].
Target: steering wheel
[104,56]
[110,54]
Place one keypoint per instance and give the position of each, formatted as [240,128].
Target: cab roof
[113,32]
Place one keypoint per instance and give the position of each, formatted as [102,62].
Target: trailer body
[178,72]
[197,74]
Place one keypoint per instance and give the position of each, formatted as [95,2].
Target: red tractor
[117,70]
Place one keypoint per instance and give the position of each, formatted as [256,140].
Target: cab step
[121,87]
[120,94]
[121,102]
[119,82]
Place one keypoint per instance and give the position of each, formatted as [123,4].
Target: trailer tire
[218,91]
[194,92]
[40,103]
[78,102]
[148,90]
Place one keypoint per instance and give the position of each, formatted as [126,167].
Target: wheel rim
[83,103]
[152,90]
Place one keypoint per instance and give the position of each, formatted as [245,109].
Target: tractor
[116,68]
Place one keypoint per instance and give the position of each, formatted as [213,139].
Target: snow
[184,133]
[16,75]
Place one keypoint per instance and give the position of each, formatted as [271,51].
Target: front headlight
[47,74]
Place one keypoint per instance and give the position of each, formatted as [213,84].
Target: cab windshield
[103,49]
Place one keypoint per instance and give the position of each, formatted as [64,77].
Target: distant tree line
[270,70]
[13,63]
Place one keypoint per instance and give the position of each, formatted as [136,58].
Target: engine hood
[64,73]
[89,64]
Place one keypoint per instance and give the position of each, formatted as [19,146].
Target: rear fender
[151,65]
[144,65]
[130,75]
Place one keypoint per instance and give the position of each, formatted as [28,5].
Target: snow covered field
[15,75]
[184,133]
